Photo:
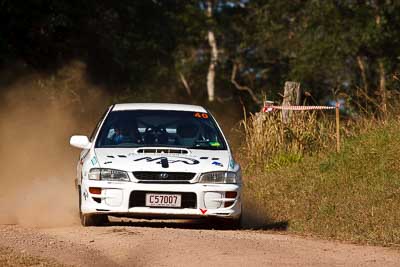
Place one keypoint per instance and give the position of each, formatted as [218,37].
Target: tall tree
[213,54]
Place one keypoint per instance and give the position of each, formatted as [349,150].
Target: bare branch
[223,99]
[369,99]
[185,84]
[242,87]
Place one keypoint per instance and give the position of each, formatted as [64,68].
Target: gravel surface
[155,243]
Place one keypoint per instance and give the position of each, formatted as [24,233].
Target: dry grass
[270,141]
[352,195]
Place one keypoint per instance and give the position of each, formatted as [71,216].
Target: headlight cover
[221,178]
[108,175]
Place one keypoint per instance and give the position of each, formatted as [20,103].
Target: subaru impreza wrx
[157,161]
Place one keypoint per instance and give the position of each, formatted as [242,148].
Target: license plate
[163,200]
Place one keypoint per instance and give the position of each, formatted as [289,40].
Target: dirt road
[157,243]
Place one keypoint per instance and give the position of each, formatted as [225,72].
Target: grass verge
[352,195]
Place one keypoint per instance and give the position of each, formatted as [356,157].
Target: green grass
[352,195]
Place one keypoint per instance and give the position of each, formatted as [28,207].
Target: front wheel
[93,219]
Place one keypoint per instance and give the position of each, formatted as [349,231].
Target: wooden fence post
[337,127]
[291,96]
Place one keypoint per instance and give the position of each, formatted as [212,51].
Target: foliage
[122,42]
[319,43]
[148,46]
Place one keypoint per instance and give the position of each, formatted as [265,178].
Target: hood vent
[162,151]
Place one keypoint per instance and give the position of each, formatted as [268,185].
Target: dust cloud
[37,116]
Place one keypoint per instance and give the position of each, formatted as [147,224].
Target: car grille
[138,199]
[164,177]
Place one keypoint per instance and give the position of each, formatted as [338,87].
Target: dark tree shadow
[271,226]
[196,224]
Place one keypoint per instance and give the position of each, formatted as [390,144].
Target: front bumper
[116,198]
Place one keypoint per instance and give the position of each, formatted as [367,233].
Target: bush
[269,141]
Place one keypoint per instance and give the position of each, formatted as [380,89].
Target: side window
[95,130]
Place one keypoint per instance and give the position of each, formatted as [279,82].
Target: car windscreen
[160,128]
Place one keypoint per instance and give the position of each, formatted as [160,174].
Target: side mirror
[80,141]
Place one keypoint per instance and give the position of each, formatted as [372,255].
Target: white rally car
[157,161]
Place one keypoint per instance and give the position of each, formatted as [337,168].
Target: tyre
[93,219]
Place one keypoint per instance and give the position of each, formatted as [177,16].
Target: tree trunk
[381,67]
[291,97]
[214,57]
[361,65]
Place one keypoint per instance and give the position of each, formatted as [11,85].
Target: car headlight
[221,178]
[108,174]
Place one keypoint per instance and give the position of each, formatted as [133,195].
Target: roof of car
[158,106]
